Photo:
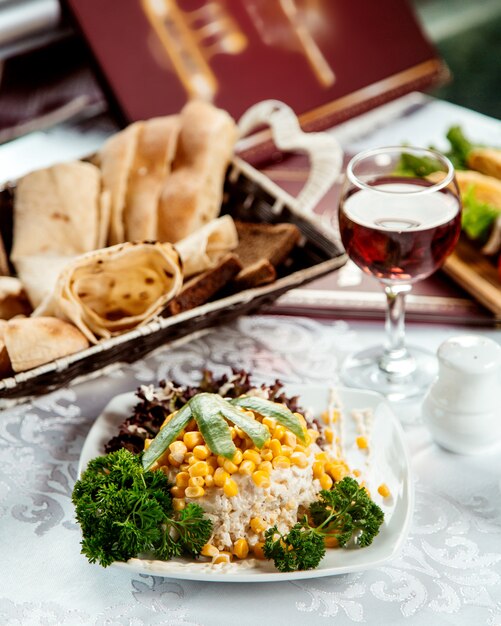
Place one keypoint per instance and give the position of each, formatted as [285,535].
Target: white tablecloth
[449,570]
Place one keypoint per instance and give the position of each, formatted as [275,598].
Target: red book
[327,59]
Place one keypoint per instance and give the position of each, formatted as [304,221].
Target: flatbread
[56,210]
[206,246]
[116,158]
[33,341]
[156,146]
[39,274]
[192,194]
[109,291]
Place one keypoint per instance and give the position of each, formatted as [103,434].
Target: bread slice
[201,288]
[261,248]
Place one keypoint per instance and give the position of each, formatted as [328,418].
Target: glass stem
[396,360]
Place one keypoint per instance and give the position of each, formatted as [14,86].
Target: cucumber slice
[267,408]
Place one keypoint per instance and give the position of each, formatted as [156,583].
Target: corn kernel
[201,452]
[299,459]
[178,450]
[276,447]
[321,456]
[281,462]
[194,492]
[221,460]
[171,460]
[246,467]
[270,423]
[222,557]
[209,480]
[199,468]
[257,550]
[318,469]
[290,439]
[178,504]
[147,443]
[279,432]
[337,470]
[191,425]
[383,490]
[193,438]
[362,443]
[265,466]
[240,432]
[230,467]
[241,548]
[300,418]
[287,450]
[357,473]
[220,477]
[313,434]
[252,455]
[266,455]
[233,432]
[177,492]
[326,481]
[196,481]
[261,479]
[182,479]
[209,550]
[331,542]
[329,435]
[237,457]
[212,462]
[230,488]
[258,525]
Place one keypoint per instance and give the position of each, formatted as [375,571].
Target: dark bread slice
[260,272]
[261,248]
[203,286]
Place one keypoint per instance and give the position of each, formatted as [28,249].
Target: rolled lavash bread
[204,248]
[109,291]
[192,193]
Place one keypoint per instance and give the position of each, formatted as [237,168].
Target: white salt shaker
[463,407]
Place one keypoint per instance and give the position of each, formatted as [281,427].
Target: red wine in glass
[399,229]
[404,238]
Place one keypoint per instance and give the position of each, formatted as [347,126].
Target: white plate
[389,463]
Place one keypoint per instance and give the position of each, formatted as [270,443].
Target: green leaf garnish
[206,411]
[279,412]
[342,513]
[125,511]
[210,411]
[256,431]
[166,436]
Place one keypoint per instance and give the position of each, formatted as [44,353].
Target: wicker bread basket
[248,195]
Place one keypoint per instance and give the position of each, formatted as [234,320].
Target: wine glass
[399,218]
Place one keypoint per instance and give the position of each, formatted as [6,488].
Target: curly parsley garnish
[125,511]
[344,512]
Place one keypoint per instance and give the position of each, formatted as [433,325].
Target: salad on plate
[224,472]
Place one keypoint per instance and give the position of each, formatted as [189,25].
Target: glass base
[418,370]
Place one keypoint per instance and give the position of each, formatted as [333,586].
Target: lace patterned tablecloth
[449,571]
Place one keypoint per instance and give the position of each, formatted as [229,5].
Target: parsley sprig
[125,511]
[343,512]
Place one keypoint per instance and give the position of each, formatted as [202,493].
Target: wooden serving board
[476,274]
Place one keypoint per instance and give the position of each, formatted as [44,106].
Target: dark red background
[368,41]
